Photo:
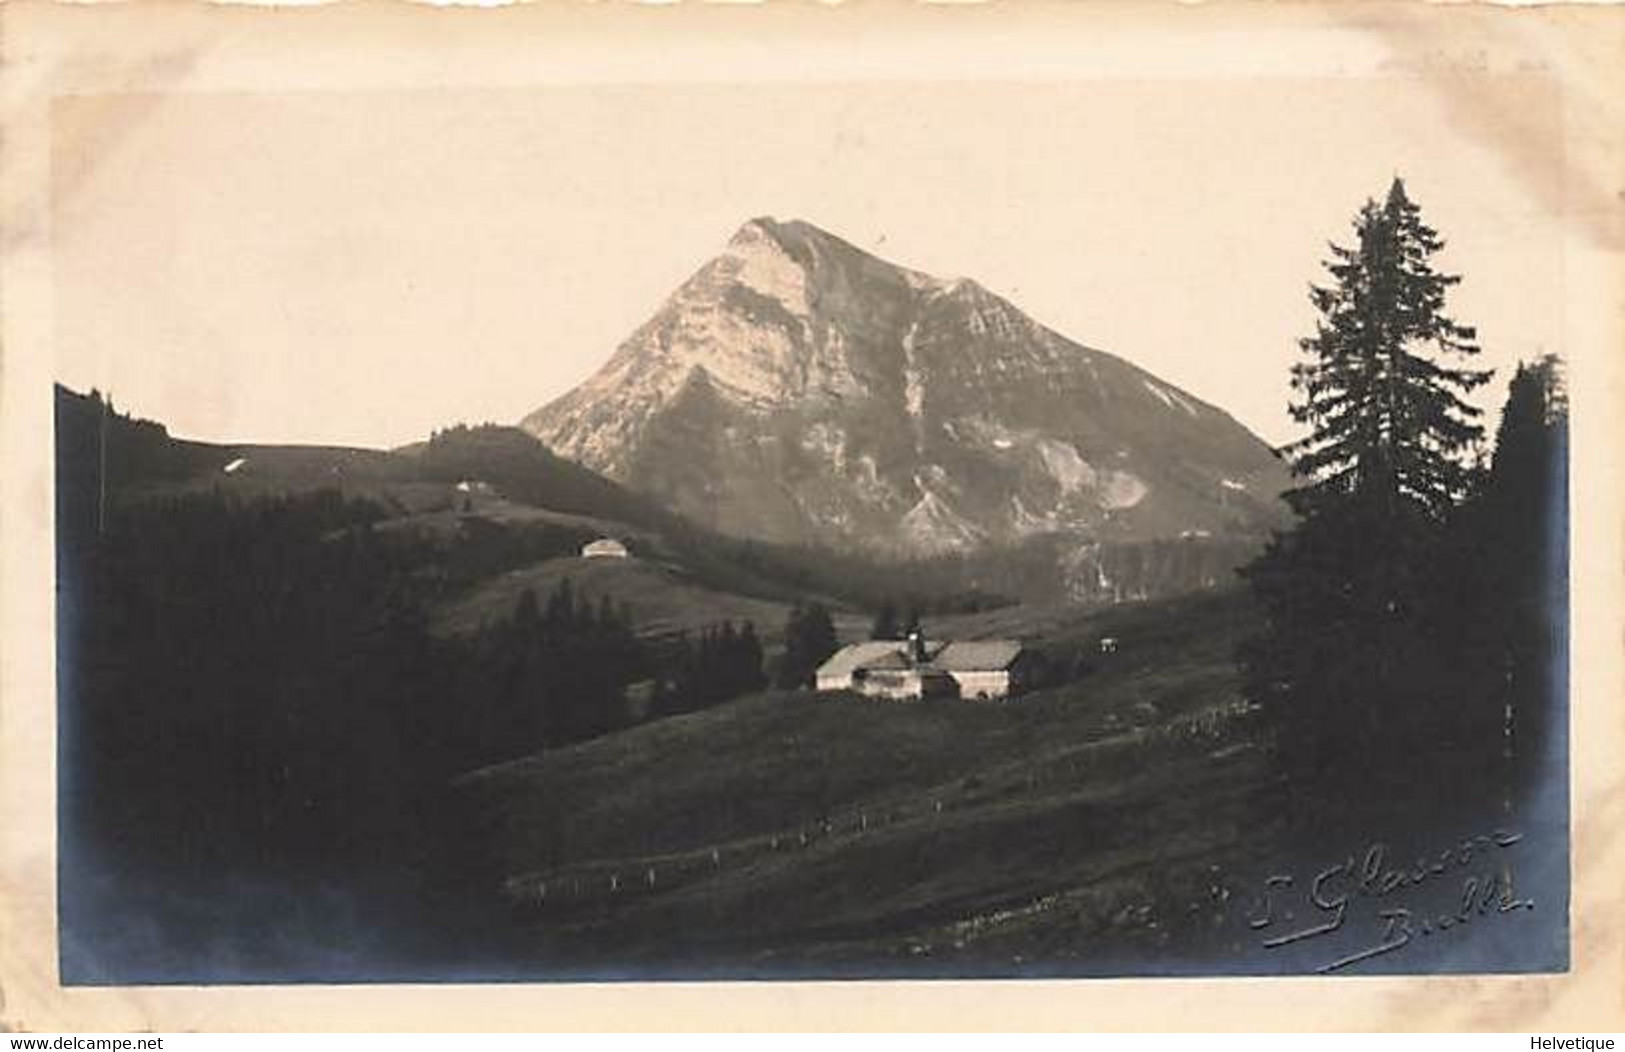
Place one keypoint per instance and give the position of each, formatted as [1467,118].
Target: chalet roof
[978,655]
[853,656]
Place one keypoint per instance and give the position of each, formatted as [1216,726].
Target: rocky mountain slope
[798,389]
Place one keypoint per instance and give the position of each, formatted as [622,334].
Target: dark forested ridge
[142,459]
[258,728]
[253,729]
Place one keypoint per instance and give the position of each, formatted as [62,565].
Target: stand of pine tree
[1416,614]
[253,710]
[809,639]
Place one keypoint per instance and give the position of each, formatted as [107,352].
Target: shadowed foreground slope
[796,834]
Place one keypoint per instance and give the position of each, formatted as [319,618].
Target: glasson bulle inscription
[1373,878]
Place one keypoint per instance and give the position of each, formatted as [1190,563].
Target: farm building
[605,548]
[472,494]
[919,668]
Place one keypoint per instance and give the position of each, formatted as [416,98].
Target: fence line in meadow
[601,882]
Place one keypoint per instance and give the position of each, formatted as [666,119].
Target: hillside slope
[794,834]
[660,597]
[519,498]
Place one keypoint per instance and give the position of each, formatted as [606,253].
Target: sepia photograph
[1041,517]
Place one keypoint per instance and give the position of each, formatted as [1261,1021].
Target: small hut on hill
[605,548]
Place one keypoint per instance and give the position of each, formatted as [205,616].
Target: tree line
[571,669]
[1416,611]
[724,662]
[809,640]
[250,698]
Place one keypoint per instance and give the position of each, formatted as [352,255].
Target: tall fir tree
[1382,392]
[809,639]
[751,677]
[792,663]
[885,623]
[818,640]
[1346,663]
[1523,534]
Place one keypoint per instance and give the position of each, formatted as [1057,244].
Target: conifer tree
[526,615]
[819,640]
[885,624]
[1382,391]
[1345,664]
[809,639]
[792,663]
[1523,530]
[561,605]
[750,659]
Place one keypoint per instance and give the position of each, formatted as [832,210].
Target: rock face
[798,389]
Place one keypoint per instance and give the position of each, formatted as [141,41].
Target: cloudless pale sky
[364,266]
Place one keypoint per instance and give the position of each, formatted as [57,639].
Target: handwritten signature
[1485,891]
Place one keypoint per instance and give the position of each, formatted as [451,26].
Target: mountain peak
[784,231]
[799,388]
[754,229]
[807,244]
[775,225]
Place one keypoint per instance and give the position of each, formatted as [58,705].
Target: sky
[363,266]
